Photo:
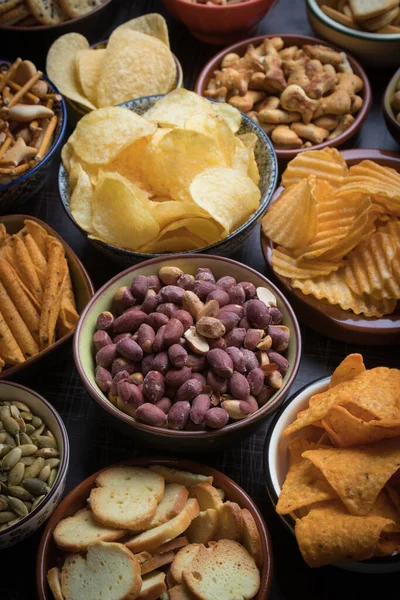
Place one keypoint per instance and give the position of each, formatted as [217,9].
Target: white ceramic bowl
[42,408]
[276,466]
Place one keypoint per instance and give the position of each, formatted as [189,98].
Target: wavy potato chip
[349,368]
[152,24]
[287,266]
[82,199]
[89,64]
[327,164]
[176,107]
[369,168]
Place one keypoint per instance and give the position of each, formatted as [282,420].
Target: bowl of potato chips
[332,240]
[331,464]
[162,174]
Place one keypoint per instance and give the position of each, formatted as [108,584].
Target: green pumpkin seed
[36,422]
[14,411]
[10,441]
[29,429]
[3,478]
[3,504]
[19,492]
[27,416]
[4,449]
[51,435]
[4,412]
[1,426]
[4,488]
[6,516]
[43,441]
[3,436]
[21,424]
[28,505]
[11,459]
[17,506]
[28,449]
[20,405]
[11,425]
[53,462]
[52,477]
[27,460]
[16,474]
[34,469]
[47,452]
[44,473]
[39,430]
[37,501]
[17,439]
[35,486]
[24,439]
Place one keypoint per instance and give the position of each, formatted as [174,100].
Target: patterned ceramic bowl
[267,165]
[42,408]
[13,193]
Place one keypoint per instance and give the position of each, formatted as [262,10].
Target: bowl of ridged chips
[331,463]
[331,238]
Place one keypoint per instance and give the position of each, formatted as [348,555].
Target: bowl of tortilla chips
[332,468]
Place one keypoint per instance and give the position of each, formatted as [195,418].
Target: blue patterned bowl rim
[264,201]
[56,142]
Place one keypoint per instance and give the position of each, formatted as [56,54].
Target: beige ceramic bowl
[371,49]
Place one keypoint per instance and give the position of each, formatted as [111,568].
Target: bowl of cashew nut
[305,95]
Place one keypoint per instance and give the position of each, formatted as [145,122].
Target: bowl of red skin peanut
[184,355]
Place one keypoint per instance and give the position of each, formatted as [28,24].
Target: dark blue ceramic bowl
[14,193]
[267,165]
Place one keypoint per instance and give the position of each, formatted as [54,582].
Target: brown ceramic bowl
[390,118]
[298,40]
[48,552]
[159,437]
[332,321]
[81,283]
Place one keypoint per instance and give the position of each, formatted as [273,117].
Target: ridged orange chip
[327,164]
[287,266]
[369,168]
[392,227]
[386,195]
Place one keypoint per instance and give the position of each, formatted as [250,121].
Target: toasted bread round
[230,522]
[172,503]
[183,477]
[206,495]
[54,581]
[153,586]
[181,592]
[250,537]
[156,561]
[183,560]
[77,533]
[204,527]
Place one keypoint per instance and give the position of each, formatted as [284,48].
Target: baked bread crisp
[182,477]
[6,5]
[153,586]
[54,581]
[77,533]
[172,503]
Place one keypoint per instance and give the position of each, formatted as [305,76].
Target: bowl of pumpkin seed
[34,457]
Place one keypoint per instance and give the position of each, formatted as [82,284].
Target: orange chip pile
[343,483]
[337,232]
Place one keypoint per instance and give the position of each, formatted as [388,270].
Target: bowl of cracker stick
[43,289]
[369,30]
[32,125]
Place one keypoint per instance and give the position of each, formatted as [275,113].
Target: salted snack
[337,232]
[37,303]
[300,96]
[29,459]
[136,62]
[28,119]
[179,549]
[177,178]
[31,13]
[374,16]
[190,352]
[342,487]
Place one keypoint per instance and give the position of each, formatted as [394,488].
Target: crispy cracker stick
[10,352]
[68,317]
[8,254]
[56,272]
[25,88]
[17,170]
[55,312]
[6,144]
[29,96]
[37,258]
[3,233]
[20,298]
[16,324]
[39,234]
[46,139]
[25,267]
[10,73]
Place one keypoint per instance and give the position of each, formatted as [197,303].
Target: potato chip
[176,107]
[216,128]
[201,227]
[392,227]
[369,265]
[61,66]
[151,24]
[180,240]
[291,220]
[81,200]
[228,196]
[120,216]
[89,64]
[135,65]
[327,164]
[102,134]
[348,369]
[243,161]
[383,194]
[330,535]
[358,474]
[231,115]
[170,211]
[369,168]
[287,266]
[304,483]
[346,430]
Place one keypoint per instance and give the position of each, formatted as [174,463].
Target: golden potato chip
[201,227]
[228,196]
[89,64]
[358,474]
[180,240]
[82,199]
[170,211]
[120,216]
[363,226]
[291,221]
[346,430]
[216,128]
[102,134]
[287,266]
[231,115]
[348,369]
[243,161]
[330,535]
[61,66]
[151,24]
[176,107]
[370,264]
[304,483]
[327,164]
[135,65]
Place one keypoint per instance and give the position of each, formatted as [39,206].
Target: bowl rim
[386,106]
[209,7]
[56,26]
[281,153]
[63,467]
[320,382]
[173,462]
[356,154]
[259,415]
[363,35]
[56,142]
[30,361]
[206,249]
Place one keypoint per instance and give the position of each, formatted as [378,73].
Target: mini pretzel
[310,132]
[230,60]
[338,103]
[268,102]
[245,103]
[323,53]
[271,115]
[320,85]
[350,83]
[274,78]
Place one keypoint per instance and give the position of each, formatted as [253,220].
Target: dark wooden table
[94,445]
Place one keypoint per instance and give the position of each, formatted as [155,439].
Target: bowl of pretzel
[32,125]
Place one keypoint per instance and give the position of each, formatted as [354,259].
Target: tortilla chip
[385,508]
[348,369]
[389,543]
[344,429]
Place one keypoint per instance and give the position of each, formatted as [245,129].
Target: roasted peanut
[239,386]
[160,363]
[200,406]
[151,415]
[177,355]
[139,286]
[169,275]
[176,377]
[178,415]
[220,362]
[106,355]
[209,327]
[153,386]
[238,360]
[216,417]
[235,337]
[101,339]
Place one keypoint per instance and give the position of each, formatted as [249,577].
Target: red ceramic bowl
[219,24]
[330,320]
[48,552]
[293,40]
